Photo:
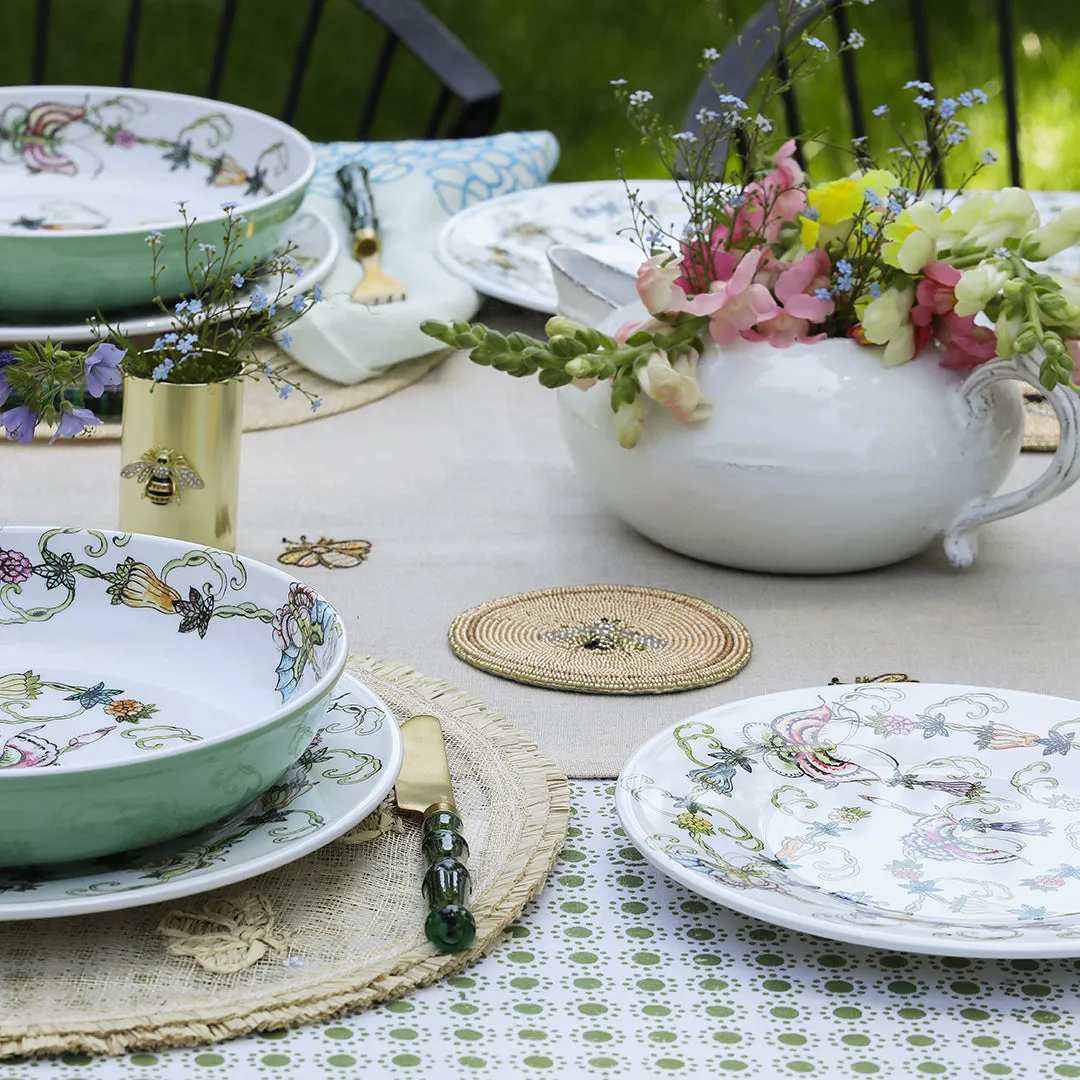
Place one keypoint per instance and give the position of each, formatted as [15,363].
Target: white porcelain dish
[500,246]
[912,816]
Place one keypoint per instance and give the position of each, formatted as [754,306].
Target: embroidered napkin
[416,186]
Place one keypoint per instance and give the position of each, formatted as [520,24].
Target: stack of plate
[172,719]
[89,172]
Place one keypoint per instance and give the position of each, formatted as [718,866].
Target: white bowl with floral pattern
[87,172]
[147,687]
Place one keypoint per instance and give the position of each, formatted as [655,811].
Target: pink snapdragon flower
[803,292]
[658,285]
[966,345]
[737,304]
[935,294]
[765,207]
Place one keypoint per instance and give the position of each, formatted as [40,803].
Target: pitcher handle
[961,537]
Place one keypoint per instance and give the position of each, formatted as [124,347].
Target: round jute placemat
[603,639]
[334,932]
[264,409]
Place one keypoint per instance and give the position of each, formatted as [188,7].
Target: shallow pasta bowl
[86,173]
[147,687]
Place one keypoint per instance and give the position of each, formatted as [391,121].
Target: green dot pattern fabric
[616,972]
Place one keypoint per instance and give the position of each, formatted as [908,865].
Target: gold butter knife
[423,787]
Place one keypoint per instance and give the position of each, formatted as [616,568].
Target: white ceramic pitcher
[816,458]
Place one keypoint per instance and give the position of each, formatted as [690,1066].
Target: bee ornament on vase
[164,473]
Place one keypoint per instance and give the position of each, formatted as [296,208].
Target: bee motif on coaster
[333,554]
[164,473]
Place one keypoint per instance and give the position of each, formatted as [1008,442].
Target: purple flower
[15,567]
[74,422]
[19,423]
[897,725]
[125,138]
[103,368]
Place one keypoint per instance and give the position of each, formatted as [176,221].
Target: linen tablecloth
[465,490]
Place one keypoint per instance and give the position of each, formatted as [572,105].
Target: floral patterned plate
[148,686]
[499,246]
[88,171]
[317,249]
[341,777]
[912,816]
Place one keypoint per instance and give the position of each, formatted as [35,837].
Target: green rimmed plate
[342,777]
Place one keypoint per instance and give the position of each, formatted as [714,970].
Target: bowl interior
[83,159]
[116,647]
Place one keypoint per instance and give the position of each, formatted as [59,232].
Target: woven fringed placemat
[334,932]
[603,639]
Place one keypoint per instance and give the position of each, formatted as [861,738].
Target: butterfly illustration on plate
[333,554]
[164,473]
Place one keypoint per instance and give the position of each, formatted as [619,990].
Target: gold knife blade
[424,781]
[423,787]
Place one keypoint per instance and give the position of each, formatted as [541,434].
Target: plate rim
[532,300]
[888,938]
[79,333]
[232,874]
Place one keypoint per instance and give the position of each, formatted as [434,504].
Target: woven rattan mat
[1041,428]
[334,932]
[603,639]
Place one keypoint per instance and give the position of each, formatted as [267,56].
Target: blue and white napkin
[416,186]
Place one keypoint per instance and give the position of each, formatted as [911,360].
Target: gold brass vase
[180,471]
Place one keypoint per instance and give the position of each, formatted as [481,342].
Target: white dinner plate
[911,816]
[342,777]
[500,246]
[317,250]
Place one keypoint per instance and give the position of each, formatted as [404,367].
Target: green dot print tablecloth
[616,972]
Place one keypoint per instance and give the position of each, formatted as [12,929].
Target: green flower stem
[573,351]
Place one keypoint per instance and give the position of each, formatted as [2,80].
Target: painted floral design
[960,834]
[15,567]
[35,747]
[130,711]
[135,584]
[195,612]
[19,686]
[282,815]
[34,136]
[304,628]
[302,625]
[39,137]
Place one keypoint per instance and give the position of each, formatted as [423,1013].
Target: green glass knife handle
[450,925]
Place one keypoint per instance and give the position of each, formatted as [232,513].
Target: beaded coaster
[603,639]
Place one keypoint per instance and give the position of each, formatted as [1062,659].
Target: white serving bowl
[87,172]
[147,687]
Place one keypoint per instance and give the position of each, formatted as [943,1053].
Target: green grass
[555,59]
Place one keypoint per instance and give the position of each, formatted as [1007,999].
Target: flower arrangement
[876,256]
[216,329]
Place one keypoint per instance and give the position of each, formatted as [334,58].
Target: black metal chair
[741,65]
[467,98]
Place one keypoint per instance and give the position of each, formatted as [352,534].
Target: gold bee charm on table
[333,554]
[164,473]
